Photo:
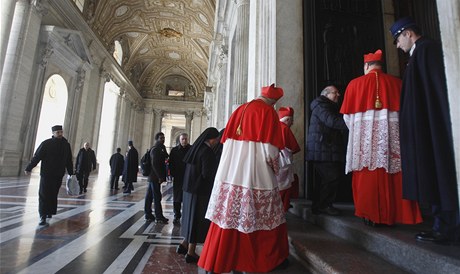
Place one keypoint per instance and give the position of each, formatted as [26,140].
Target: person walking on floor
[131,168]
[177,168]
[201,167]
[56,156]
[427,151]
[85,163]
[371,110]
[116,162]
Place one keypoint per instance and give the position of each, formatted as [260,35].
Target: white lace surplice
[245,195]
[285,176]
[373,141]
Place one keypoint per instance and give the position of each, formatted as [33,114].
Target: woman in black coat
[200,170]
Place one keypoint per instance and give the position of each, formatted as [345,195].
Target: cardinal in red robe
[371,112]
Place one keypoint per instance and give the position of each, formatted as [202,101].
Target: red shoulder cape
[289,139]
[361,93]
[260,123]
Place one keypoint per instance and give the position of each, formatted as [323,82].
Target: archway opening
[53,108]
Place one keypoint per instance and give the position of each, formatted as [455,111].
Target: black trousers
[177,198]
[153,194]
[446,222]
[114,181]
[83,178]
[326,184]
[47,195]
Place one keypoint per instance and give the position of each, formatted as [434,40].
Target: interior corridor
[101,231]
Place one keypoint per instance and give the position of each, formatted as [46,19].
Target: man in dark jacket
[116,168]
[325,147]
[427,152]
[131,168]
[56,156]
[177,167]
[85,163]
[158,156]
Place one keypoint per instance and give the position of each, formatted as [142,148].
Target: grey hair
[327,90]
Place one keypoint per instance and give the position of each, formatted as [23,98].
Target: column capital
[159,112]
[188,114]
[40,7]
[241,2]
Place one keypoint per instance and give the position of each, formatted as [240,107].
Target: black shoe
[176,221]
[191,259]
[42,220]
[181,250]
[127,192]
[85,190]
[161,220]
[49,216]
[330,210]
[117,188]
[431,236]
[149,218]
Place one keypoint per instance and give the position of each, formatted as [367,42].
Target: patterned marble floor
[102,231]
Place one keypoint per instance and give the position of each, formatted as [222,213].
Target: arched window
[118,52]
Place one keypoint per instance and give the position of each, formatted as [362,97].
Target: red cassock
[248,230]
[373,151]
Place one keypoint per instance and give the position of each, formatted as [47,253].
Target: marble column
[34,105]
[158,114]
[448,10]
[221,101]
[15,92]
[122,138]
[197,126]
[262,46]
[188,122]
[240,54]
[148,138]
[6,19]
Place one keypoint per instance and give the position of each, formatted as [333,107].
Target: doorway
[53,108]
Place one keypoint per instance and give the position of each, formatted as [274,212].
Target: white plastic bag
[72,186]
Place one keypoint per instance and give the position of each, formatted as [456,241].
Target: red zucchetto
[285,111]
[373,57]
[272,92]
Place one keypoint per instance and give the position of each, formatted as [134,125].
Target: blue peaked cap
[399,26]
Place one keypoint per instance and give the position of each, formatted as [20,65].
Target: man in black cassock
[427,153]
[131,168]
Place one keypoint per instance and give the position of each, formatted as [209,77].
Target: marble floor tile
[101,231]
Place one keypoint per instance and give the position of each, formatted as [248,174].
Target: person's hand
[27,172]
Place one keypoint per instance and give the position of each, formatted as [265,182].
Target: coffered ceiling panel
[159,38]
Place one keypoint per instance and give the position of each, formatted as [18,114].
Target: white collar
[412,50]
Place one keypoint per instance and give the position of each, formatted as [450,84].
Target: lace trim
[247,210]
[373,141]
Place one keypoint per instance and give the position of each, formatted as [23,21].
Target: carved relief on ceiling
[157,35]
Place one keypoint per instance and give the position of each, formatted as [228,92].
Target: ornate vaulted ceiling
[165,43]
